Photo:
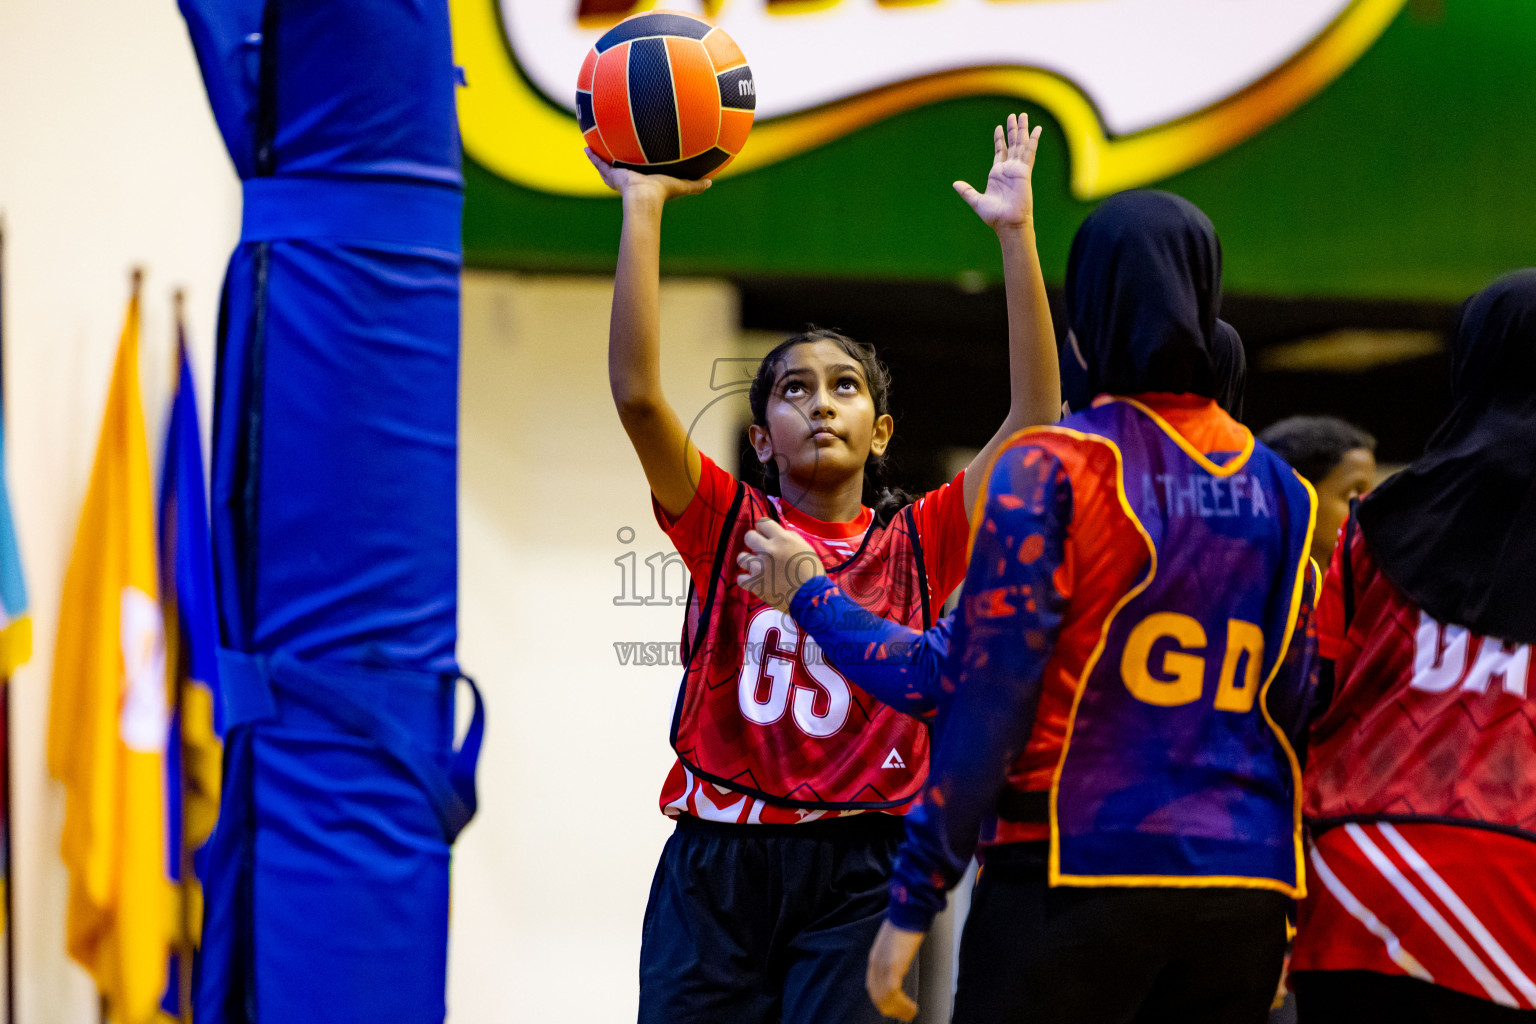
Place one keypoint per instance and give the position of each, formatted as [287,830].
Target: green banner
[1384,152]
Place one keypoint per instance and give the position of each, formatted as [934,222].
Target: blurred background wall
[551,880]
[108,159]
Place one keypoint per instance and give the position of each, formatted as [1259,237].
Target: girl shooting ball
[790,781]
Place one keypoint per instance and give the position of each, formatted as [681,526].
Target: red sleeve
[1330,606]
[696,532]
[944,530]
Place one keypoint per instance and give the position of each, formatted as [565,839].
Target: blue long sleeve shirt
[1004,631]
[976,672]
[897,665]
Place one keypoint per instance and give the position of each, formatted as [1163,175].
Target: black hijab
[1143,289]
[1456,531]
[1230,364]
[1229,361]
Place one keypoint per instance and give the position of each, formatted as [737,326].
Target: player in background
[1135,584]
[1421,785]
[1339,461]
[773,885]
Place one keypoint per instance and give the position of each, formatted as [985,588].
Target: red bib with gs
[762,710]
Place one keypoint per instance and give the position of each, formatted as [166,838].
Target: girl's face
[822,425]
[1351,478]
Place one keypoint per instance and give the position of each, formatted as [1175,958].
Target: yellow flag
[110,716]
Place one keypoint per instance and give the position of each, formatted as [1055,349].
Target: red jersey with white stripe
[766,730]
[1422,793]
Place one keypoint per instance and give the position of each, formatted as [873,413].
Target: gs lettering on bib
[1173,771]
[762,711]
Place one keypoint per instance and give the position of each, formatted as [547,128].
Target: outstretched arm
[1007,206]
[670,460]
[1005,631]
[897,665]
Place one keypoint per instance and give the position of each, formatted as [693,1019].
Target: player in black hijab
[1456,531]
[1143,291]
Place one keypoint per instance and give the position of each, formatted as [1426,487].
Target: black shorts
[1358,997]
[1039,955]
[769,923]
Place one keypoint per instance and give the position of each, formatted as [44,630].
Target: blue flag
[194,754]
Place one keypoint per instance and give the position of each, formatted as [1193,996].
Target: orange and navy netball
[666,93]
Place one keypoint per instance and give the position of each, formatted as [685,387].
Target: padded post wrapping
[334,512]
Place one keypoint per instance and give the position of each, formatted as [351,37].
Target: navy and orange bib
[1173,772]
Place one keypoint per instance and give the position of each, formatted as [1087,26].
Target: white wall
[108,158]
[552,878]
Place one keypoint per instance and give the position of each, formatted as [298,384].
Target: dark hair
[887,500]
[1314,445]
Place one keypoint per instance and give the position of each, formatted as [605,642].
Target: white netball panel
[1141,63]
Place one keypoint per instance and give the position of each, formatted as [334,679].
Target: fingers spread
[968,193]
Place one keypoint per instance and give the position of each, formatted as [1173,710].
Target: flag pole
[5,736]
[184,852]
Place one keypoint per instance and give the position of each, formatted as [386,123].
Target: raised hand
[1008,201]
[632,183]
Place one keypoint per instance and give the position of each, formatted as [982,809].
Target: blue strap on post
[400,215]
[245,688]
[454,808]
[461,771]
[252,684]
